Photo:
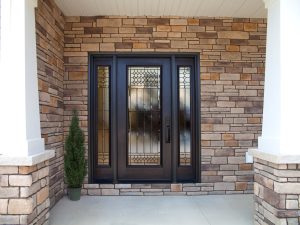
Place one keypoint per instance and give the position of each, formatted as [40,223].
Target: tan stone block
[107,47]
[93,47]
[42,195]
[233,48]
[237,26]
[178,22]
[128,21]
[110,30]
[230,76]
[3,206]
[178,28]
[213,136]
[163,28]
[241,186]
[249,48]
[140,45]
[140,21]
[28,191]
[227,137]
[20,180]
[179,44]
[112,22]
[233,34]
[176,187]
[250,27]
[231,55]
[192,21]
[20,206]
[27,169]
[254,120]
[236,160]
[127,30]
[3,180]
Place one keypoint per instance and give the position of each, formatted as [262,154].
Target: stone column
[24,163]
[277,159]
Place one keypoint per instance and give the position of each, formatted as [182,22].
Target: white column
[20,133]
[281,113]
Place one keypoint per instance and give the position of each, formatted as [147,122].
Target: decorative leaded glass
[144,116]
[184,116]
[103,116]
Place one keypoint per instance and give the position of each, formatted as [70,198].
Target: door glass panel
[184,116]
[103,116]
[144,120]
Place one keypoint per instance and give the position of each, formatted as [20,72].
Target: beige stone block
[91,47]
[8,169]
[42,195]
[163,28]
[90,186]
[249,48]
[9,192]
[244,136]
[236,160]
[127,30]
[107,186]
[179,44]
[3,206]
[107,47]
[3,180]
[178,22]
[224,186]
[28,191]
[212,136]
[140,21]
[231,55]
[43,172]
[219,160]
[9,219]
[95,192]
[176,187]
[112,22]
[230,76]
[292,204]
[20,206]
[20,180]
[287,188]
[122,186]
[248,92]
[110,192]
[233,34]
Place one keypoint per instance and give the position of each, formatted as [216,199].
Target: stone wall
[232,56]
[276,193]
[50,47]
[24,194]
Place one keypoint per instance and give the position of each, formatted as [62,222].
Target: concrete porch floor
[158,210]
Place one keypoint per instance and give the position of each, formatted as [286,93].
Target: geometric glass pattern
[103,115]
[184,116]
[144,118]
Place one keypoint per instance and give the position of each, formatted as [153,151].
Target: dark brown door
[143,121]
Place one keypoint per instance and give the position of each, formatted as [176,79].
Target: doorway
[144,118]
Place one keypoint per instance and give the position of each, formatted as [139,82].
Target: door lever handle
[168,131]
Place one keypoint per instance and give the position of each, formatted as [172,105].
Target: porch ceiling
[187,8]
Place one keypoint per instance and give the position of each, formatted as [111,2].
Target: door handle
[167,131]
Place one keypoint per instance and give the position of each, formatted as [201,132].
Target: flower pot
[74,194]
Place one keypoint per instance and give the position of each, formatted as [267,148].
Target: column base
[24,189]
[276,190]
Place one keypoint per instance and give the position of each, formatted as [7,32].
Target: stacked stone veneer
[24,194]
[50,44]
[277,193]
[232,56]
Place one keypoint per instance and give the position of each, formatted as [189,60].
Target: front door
[143,119]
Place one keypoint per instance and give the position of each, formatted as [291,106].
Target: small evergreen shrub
[75,163]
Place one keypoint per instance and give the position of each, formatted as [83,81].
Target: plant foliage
[75,163]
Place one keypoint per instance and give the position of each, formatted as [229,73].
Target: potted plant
[75,163]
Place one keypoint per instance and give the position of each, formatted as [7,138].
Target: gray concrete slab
[155,210]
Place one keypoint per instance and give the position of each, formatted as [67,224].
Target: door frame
[92,114]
